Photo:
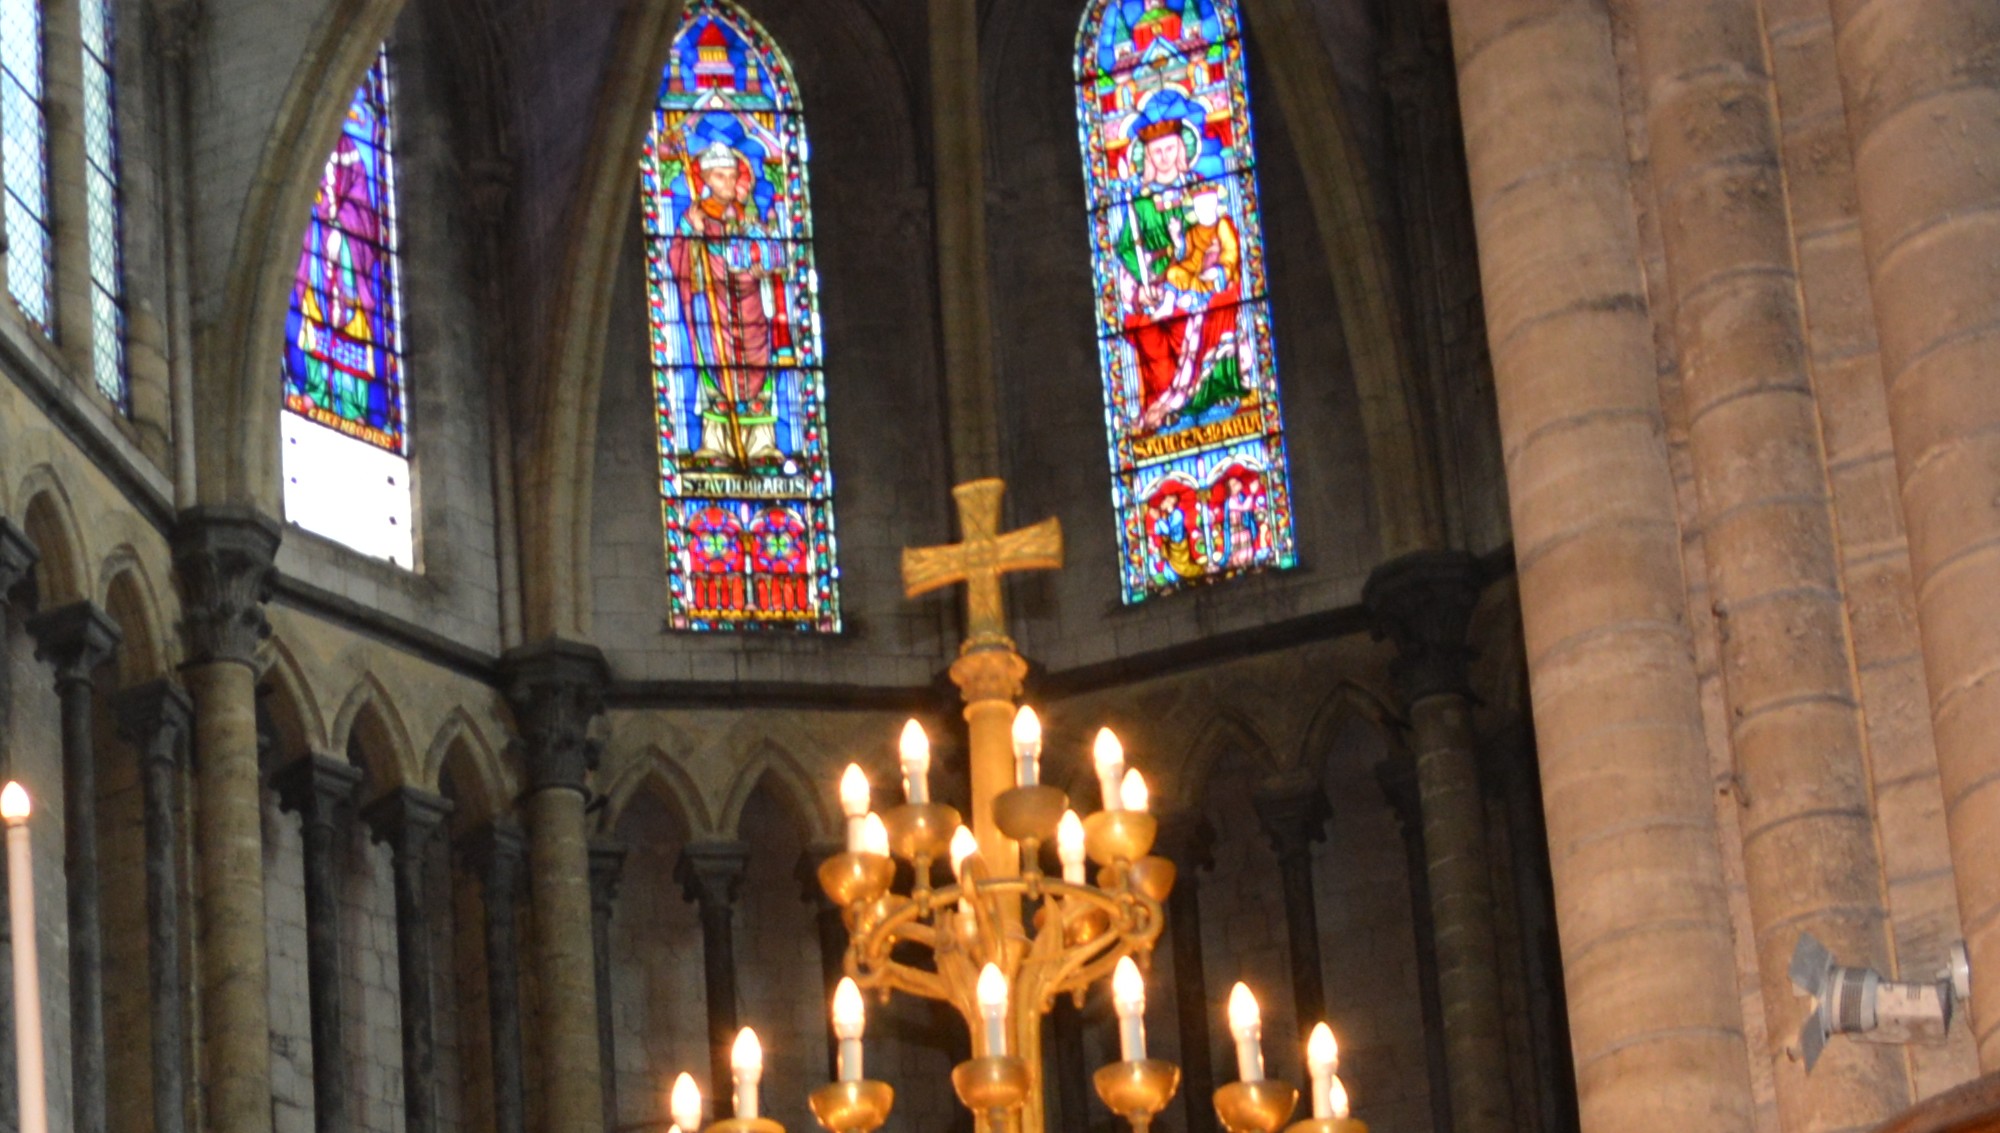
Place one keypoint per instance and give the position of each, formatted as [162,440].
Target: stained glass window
[24,159]
[347,473]
[733,303]
[107,251]
[1198,470]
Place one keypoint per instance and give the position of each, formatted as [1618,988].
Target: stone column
[557,689]
[1398,777]
[607,861]
[409,821]
[157,718]
[1655,1019]
[222,561]
[72,323]
[499,854]
[75,640]
[1186,840]
[17,558]
[1294,817]
[1774,574]
[1424,603]
[1923,113]
[958,196]
[711,876]
[832,933]
[321,791]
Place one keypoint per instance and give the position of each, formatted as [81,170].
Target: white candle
[1069,847]
[1027,747]
[916,758]
[33,1083]
[1246,1023]
[1132,793]
[850,1016]
[992,995]
[854,803]
[684,1104]
[1322,1059]
[746,1067]
[963,846]
[1109,756]
[1128,997]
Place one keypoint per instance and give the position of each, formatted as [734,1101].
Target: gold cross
[981,558]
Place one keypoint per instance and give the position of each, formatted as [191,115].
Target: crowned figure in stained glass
[1184,336]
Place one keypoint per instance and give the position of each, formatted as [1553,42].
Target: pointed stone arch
[368,722]
[1349,702]
[1224,736]
[62,575]
[237,347]
[287,701]
[773,767]
[133,602]
[657,773]
[481,787]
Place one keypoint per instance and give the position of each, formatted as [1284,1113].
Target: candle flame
[850,1015]
[1069,838]
[14,805]
[963,846]
[1027,730]
[1244,1014]
[874,836]
[1107,752]
[992,989]
[1133,793]
[1337,1095]
[854,791]
[1322,1052]
[748,1053]
[1128,987]
[684,1103]
[915,747]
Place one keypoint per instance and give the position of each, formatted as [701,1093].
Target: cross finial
[981,558]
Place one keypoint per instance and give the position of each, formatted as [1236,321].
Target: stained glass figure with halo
[1199,477]
[733,305]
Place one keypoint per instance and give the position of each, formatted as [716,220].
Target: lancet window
[24,160]
[103,199]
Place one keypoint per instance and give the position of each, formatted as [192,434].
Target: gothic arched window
[103,197]
[1198,471]
[346,451]
[24,160]
[733,301]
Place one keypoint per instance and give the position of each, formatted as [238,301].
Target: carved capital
[222,561]
[407,820]
[711,873]
[1423,603]
[318,788]
[18,556]
[155,717]
[75,639]
[1294,816]
[989,674]
[557,690]
[607,865]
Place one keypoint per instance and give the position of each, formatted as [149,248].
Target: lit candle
[1109,755]
[746,1068]
[1128,997]
[684,1104]
[854,803]
[850,1016]
[1132,793]
[874,836]
[963,846]
[33,1084]
[1027,747]
[1336,1101]
[916,757]
[1322,1059]
[1069,847]
[1246,1023]
[992,995]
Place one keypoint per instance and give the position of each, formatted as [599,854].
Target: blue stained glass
[343,364]
[733,305]
[24,160]
[1196,434]
[105,208]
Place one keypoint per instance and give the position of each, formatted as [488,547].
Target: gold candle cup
[1256,1107]
[852,1107]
